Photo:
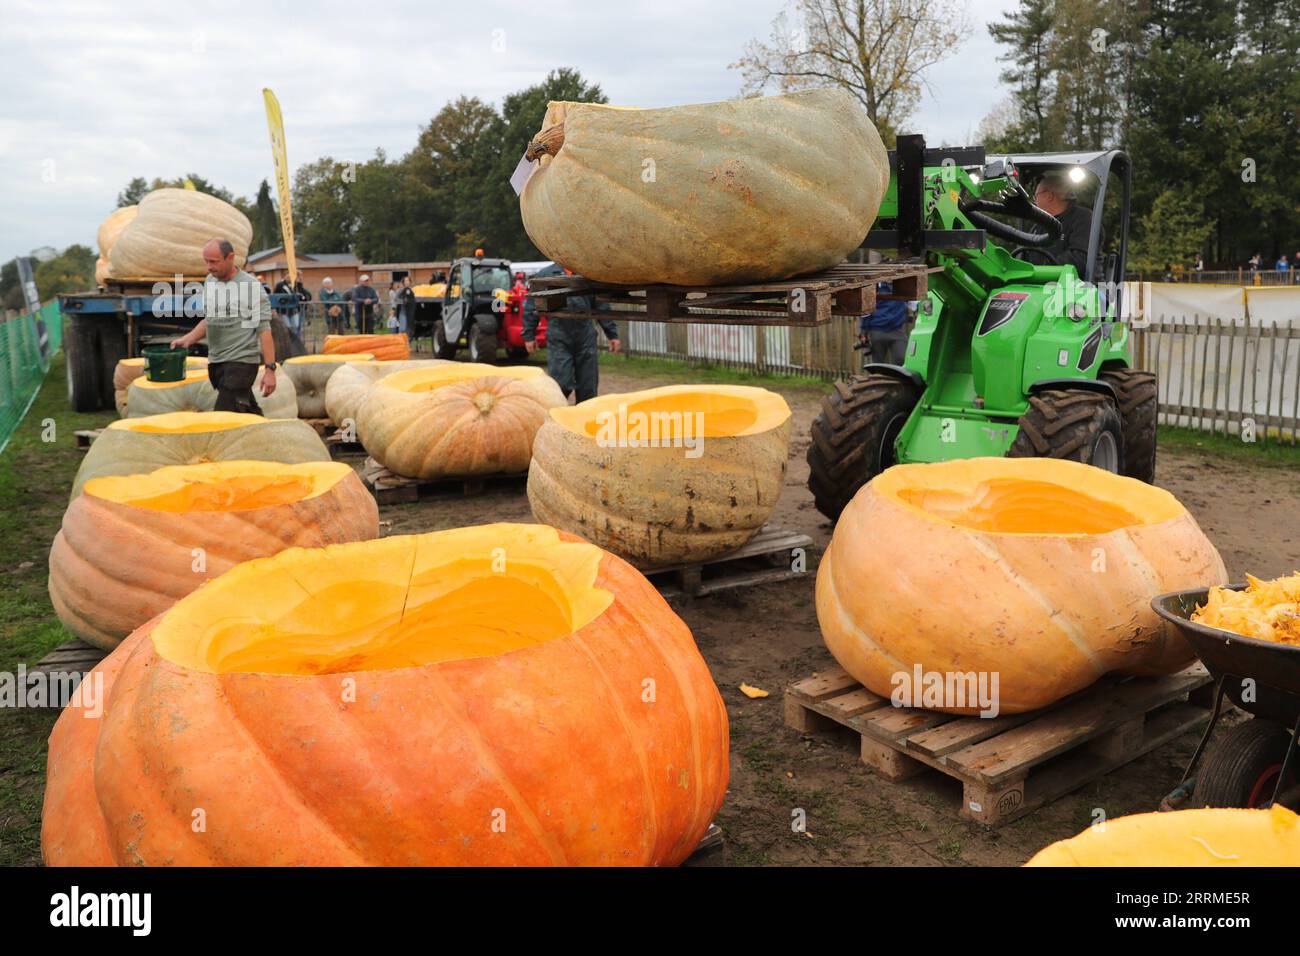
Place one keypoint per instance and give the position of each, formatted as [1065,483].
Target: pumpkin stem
[547,142]
[485,401]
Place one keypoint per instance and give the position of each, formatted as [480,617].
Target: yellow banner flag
[189,184]
[275,122]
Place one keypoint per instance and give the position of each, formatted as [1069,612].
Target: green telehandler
[1013,352]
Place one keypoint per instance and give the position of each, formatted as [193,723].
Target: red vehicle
[510,331]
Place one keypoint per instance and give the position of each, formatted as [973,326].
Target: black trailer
[102,328]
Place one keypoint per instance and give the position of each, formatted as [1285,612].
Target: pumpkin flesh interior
[1027,496]
[187,423]
[404,601]
[191,376]
[138,361]
[220,486]
[336,358]
[417,380]
[677,411]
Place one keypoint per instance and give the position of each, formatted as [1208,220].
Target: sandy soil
[768,637]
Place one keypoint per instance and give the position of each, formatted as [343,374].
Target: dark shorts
[234,384]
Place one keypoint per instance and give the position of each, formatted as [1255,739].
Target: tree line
[1204,95]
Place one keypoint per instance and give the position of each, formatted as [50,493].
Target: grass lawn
[35,476]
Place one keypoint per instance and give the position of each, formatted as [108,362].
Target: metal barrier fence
[27,342]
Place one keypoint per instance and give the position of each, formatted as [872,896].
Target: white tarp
[1269,304]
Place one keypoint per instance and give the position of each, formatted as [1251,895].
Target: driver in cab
[1055,195]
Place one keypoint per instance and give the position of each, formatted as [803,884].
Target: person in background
[366,300]
[237,324]
[292,316]
[1282,265]
[391,321]
[304,296]
[331,300]
[572,355]
[885,329]
[1253,262]
[1295,273]
[405,305]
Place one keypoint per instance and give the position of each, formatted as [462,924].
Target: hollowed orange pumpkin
[489,696]
[131,546]
[1038,570]
[384,347]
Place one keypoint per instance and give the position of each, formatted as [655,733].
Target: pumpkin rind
[385,347]
[311,374]
[143,444]
[903,584]
[657,506]
[1202,837]
[556,742]
[743,190]
[196,394]
[114,564]
[482,422]
[169,231]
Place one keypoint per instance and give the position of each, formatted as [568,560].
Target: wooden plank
[831,682]
[965,731]
[898,723]
[853,703]
[1014,753]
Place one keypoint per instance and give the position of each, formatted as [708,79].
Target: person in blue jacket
[885,329]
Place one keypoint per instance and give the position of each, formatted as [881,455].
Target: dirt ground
[768,637]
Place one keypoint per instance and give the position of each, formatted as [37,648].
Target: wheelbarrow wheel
[1241,769]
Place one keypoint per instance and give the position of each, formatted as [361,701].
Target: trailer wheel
[81,356]
[1136,391]
[853,437]
[441,347]
[1072,424]
[112,349]
[1241,769]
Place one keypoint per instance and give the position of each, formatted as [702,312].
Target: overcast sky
[93,94]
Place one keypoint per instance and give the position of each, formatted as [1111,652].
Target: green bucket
[164,364]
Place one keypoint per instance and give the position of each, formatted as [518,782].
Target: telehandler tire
[1136,391]
[853,437]
[1073,424]
[441,347]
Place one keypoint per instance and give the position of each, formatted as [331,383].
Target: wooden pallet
[324,427]
[391,489]
[848,289]
[767,557]
[73,658]
[86,437]
[338,448]
[1013,763]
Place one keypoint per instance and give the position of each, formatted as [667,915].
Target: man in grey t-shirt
[237,324]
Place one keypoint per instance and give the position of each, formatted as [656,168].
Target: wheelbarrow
[1255,763]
